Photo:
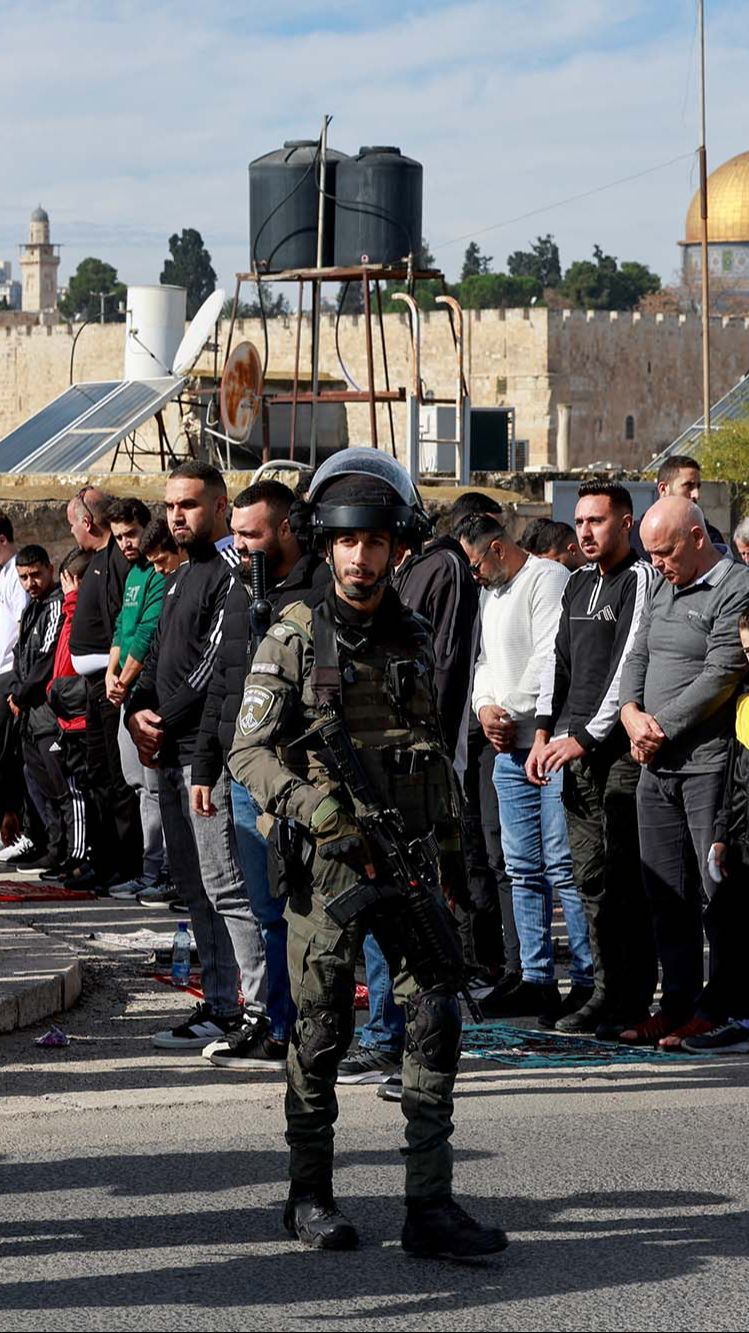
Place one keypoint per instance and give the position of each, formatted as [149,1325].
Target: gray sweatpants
[205,869]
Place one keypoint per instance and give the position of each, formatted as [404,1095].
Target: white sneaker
[200,1028]
[21,845]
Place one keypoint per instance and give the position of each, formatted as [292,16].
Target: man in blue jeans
[519,616]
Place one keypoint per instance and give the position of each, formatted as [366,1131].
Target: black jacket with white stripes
[33,659]
[178,665]
[597,625]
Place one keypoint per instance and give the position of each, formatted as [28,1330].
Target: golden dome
[727,204]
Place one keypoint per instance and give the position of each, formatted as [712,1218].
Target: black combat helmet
[364,489]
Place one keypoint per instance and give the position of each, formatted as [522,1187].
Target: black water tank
[378,207]
[284,204]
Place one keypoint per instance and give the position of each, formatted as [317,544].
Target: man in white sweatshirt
[519,617]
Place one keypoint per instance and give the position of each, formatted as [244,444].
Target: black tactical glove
[335,832]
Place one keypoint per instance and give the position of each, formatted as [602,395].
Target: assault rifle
[431,944]
[261,611]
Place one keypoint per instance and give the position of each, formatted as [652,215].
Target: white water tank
[154,329]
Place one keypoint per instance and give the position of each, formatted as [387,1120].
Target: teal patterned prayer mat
[522,1048]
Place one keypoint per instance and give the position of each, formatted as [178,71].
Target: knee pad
[433,1030]
[322,1037]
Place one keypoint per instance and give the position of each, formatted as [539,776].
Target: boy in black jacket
[33,658]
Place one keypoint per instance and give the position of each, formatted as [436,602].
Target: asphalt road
[142,1190]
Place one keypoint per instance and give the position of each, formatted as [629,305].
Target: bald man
[677,701]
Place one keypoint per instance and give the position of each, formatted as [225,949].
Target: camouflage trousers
[322,956]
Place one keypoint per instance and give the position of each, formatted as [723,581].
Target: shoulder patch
[289,629]
[265,668]
[257,702]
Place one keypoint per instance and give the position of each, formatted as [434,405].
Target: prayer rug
[361,1000]
[31,891]
[521,1048]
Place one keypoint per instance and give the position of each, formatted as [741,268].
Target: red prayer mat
[361,1000]
[31,891]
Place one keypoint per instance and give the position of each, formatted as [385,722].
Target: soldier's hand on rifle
[336,833]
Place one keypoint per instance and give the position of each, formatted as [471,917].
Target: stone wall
[606,365]
[610,365]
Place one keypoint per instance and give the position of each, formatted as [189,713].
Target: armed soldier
[360,665]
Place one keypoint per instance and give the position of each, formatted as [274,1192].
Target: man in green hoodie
[136,624]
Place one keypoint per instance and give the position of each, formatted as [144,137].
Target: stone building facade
[626,384]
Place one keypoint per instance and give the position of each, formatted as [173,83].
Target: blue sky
[130,121]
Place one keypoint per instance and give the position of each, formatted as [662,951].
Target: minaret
[39,264]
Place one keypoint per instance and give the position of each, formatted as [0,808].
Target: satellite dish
[241,391]
[198,333]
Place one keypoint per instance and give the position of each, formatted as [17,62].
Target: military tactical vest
[385,692]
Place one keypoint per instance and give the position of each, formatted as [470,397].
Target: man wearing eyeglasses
[118,846]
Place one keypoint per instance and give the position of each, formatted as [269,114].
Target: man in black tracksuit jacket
[163,714]
[601,608]
[33,659]
[259,521]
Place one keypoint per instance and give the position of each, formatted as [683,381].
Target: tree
[353,298]
[492,291]
[83,298]
[190,266]
[273,306]
[474,263]
[540,262]
[724,456]
[600,284]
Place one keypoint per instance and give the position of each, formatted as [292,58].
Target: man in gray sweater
[677,702]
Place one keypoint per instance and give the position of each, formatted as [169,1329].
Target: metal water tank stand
[370,276]
[416,399]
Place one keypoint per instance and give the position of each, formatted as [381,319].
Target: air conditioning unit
[437,434]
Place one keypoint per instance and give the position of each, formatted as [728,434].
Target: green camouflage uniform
[400,747]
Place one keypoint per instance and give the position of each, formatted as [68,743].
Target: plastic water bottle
[181,955]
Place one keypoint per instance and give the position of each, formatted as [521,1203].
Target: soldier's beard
[359,592]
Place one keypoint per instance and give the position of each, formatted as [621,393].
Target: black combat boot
[439,1228]
[313,1216]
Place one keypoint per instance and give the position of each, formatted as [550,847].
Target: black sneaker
[440,1229]
[249,1046]
[367,1064]
[55,875]
[525,1001]
[392,1089]
[317,1221]
[576,997]
[200,1028]
[35,861]
[589,1017]
[729,1039]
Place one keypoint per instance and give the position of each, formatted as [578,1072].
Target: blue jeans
[253,858]
[386,1025]
[539,863]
